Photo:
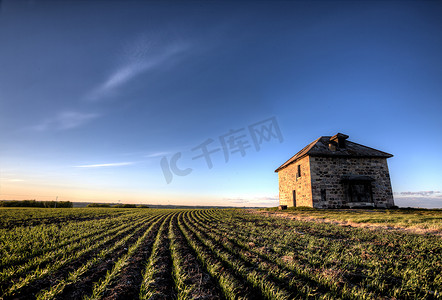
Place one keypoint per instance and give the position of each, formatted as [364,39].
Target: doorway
[358,190]
[361,192]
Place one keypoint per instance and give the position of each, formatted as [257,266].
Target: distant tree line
[117,205]
[34,203]
[98,205]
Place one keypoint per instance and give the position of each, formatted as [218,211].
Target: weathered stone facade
[290,183]
[326,174]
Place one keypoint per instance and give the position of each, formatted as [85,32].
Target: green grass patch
[401,217]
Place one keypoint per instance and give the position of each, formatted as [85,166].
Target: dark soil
[127,285]
[128,282]
[203,285]
[163,284]
[247,291]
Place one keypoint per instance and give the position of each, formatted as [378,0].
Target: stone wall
[302,185]
[326,173]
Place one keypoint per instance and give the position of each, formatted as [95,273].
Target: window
[298,174]
[323,195]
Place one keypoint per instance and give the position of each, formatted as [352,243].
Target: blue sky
[93,94]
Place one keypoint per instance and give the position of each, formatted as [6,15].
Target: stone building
[332,172]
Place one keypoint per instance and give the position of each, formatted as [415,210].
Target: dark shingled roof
[320,147]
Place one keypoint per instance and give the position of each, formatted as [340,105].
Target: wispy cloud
[12,179]
[65,120]
[140,58]
[420,193]
[158,154]
[106,165]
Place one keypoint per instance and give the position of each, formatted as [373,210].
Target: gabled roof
[320,147]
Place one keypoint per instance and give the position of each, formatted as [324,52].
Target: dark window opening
[294,198]
[323,195]
[299,171]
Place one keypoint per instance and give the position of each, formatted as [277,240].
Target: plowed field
[208,254]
